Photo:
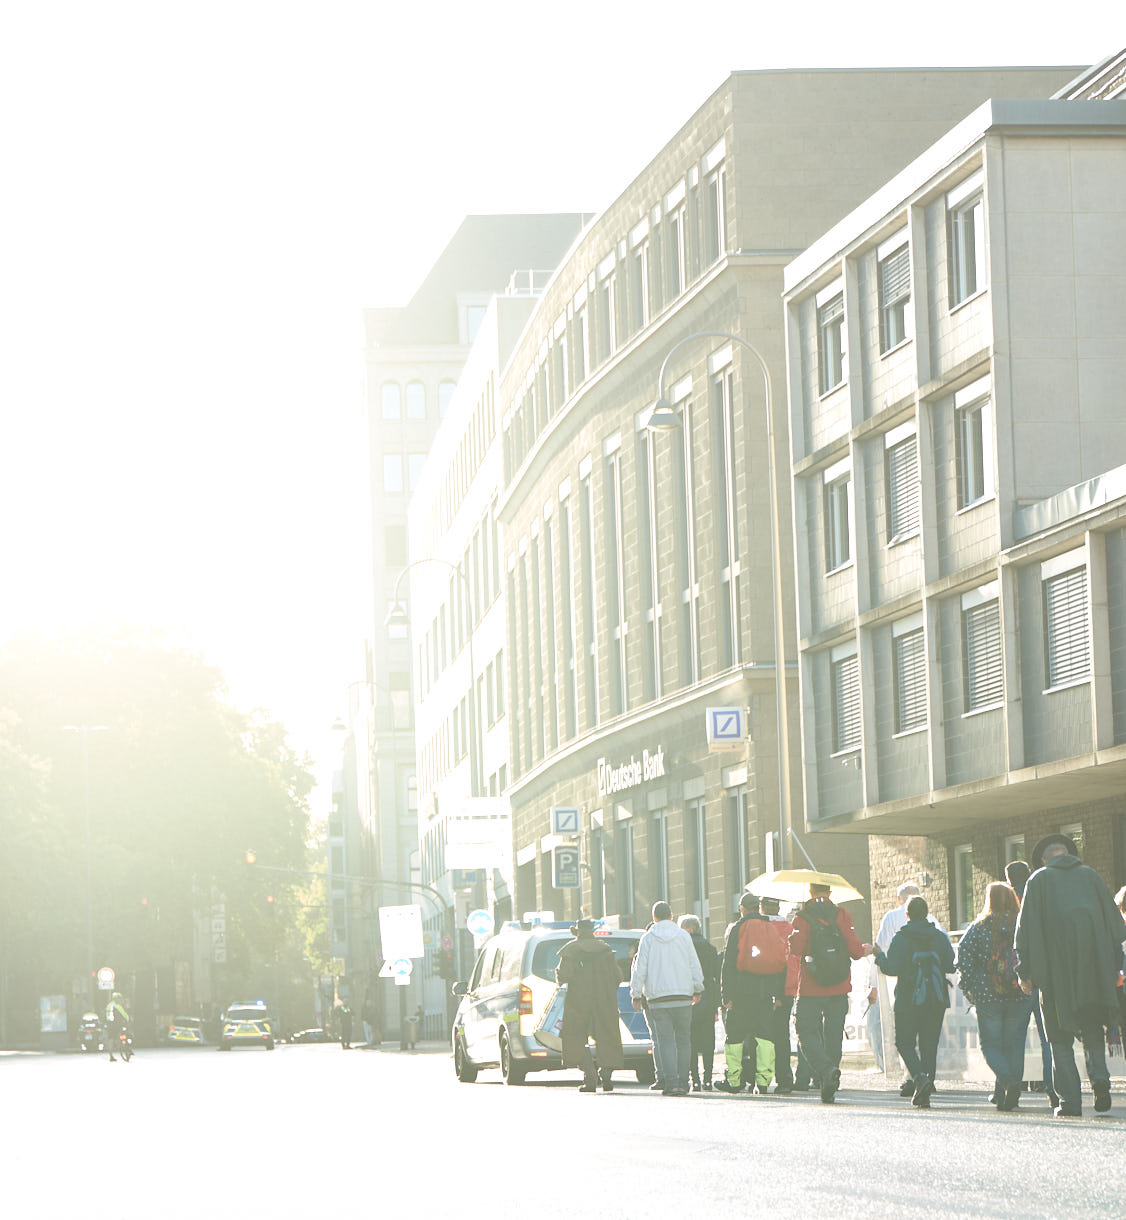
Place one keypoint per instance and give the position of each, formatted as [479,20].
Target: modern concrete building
[956,349]
[638,565]
[413,358]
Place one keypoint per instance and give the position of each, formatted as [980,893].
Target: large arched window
[390,400]
[416,400]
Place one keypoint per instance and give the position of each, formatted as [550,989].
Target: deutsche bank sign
[629,774]
[727,727]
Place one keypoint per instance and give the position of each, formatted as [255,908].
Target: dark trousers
[703,1040]
[1065,1075]
[780,1036]
[820,1023]
[917,1031]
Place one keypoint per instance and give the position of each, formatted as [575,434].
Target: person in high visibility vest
[117,1023]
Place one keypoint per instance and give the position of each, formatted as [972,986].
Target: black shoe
[605,1076]
[784,1089]
[801,1086]
[696,1086]
[1102,1098]
[1008,1099]
[725,1086]
[996,1097]
[1063,1110]
[707,1084]
[907,1088]
[831,1085]
[1053,1099]
[923,1091]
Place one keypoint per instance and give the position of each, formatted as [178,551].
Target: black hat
[749,901]
[1065,841]
[582,927]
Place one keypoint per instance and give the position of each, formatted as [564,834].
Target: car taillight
[525,1008]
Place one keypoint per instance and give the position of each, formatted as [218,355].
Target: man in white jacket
[666,981]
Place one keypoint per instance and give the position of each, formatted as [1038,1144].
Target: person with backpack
[987,964]
[920,957]
[753,954]
[825,944]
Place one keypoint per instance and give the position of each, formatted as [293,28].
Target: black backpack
[930,982]
[828,957]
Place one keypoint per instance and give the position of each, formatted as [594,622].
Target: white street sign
[402,980]
[479,922]
[400,931]
[105,979]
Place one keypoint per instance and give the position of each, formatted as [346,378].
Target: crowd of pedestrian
[1048,943]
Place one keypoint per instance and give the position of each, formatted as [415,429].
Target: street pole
[666,413]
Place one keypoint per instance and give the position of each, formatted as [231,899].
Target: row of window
[574,596]
[480,430]
[1067,654]
[678,239]
[450,742]
[966,272]
[394,403]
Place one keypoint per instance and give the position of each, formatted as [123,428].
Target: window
[1066,636]
[696,860]
[715,207]
[597,874]
[909,665]
[844,673]
[983,671]
[445,397]
[623,836]
[639,285]
[962,903]
[474,316]
[400,685]
[615,586]
[415,463]
[893,269]
[393,472]
[685,479]
[901,458]
[727,515]
[965,238]
[659,855]
[567,621]
[390,400]
[395,545]
[675,262]
[973,443]
[607,307]
[588,550]
[739,840]
[500,683]
[416,400]
[490,700]
[1013,849]
[552,669]
[579,342]
[650,565]
[838,510]
[1075,833]
[830,340]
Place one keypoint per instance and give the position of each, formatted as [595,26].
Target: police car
[511,1007]
[247,1024]
[185,1031]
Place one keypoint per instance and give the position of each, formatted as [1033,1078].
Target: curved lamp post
[663,417]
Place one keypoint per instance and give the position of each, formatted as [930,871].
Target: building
[955,352]
[413,357]
[638,565]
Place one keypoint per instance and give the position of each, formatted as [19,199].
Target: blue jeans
[672,1043]
[1003,1027]
[875,1034]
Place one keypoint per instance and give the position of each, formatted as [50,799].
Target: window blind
[984,673]
[903,488]
[895,276]
[910,682]
[1065,612]
[846,704]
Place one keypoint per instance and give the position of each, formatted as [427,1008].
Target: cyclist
[117,1023]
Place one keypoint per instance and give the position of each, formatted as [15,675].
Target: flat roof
[1047,116]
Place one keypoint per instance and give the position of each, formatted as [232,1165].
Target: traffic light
[271,906]
[446,964]
[250,856]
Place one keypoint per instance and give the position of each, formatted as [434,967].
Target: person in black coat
[704,1013]
[920,956]
[1069,945]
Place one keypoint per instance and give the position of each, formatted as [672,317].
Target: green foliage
[180,785]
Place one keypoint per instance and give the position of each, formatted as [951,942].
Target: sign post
[400,931]
[565,867]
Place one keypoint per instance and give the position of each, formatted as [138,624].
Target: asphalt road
[313,1131]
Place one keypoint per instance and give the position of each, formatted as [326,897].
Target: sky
[201,198]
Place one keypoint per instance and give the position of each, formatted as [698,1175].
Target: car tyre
[270,1045]
[223,1046]
[646,1074]
[463,1069]
[512,1072]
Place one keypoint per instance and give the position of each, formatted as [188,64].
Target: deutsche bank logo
[727,727]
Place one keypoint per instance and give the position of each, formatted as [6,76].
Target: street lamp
[664,416]
[85,730]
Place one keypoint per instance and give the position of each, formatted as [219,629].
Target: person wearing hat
[1017,874]
[1069,944]
[590,1009]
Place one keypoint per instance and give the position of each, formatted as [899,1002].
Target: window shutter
[1069,652]
[984,673]
[895,277]
[910,682]
[903,489]
[846,704]
[831,312]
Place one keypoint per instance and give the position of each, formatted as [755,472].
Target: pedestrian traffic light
[446,964]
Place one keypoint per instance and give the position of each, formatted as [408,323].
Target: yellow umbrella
[792,885]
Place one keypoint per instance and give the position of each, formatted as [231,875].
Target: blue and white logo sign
[479,922]
[564,820]
[401,968]
[727,727]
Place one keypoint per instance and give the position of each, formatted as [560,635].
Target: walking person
[988,967]
[344,1013]
[1017,873]
[920,957]
[1069,944]
[783,1001]
[704,1013]
[667,980]
[590,970]
[825,944]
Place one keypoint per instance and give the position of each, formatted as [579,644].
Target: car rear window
[546,956]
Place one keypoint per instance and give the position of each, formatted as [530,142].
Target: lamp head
[397,616]
[663,416]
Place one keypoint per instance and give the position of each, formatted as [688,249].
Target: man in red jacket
[825,944]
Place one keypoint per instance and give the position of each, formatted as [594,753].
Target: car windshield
[186,1022]
[546,956]
[252,1014]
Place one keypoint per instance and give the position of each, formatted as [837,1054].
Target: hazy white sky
[200,198]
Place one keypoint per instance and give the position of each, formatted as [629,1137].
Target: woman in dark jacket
[920,957]
[988,967]
[704,1013]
